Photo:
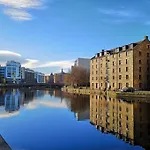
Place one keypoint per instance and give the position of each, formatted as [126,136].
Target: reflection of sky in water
[44,122]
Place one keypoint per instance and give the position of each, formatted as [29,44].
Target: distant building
[59,77]
[2,72]
[51,79]
[39,77]
[27,75]
[83,62]
[12,72]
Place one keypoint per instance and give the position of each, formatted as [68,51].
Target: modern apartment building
[27,75]
[11,72]
[39,77]
[125,66]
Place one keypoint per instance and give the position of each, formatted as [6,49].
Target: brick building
[125,66]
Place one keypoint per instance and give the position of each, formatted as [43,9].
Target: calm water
[53,120]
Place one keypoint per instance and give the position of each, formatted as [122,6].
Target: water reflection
[128,120]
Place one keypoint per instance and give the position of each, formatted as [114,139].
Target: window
[127,118]
[127,84]
[120,77]
[113,84]
[126,61]
[148,46]
[113,70]
[119,62]
[101,78]
[96,78]
[140,69]
[139,77]
[120,86]
[147,54]
[119,55]
[126,53]
[127,109]
[127,77]
[140,62]
[119,69]
[140,53]
[113,77]
[147,62]
[140,85]
[120,108]
[113,63]
[96,72]
[96,85]
[126,69]
[92,78]
[101,84]
[96,66]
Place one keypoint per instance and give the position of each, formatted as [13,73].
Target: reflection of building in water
[58,93]
[80,105]
[129,121]
[12,100]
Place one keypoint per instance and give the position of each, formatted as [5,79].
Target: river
[53,120]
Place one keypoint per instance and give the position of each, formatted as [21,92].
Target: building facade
[27,75]
[126,66]
[39,77]
[59,77]
[82,62]
[11,72]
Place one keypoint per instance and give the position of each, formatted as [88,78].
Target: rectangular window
[113,77]
[119,62]
[126,53]
[127,84]
[140,85]
[140,62]
[148,46]
[113,84]
[140,77]
[140,69]
[140,53]
[113,63]
[126,61]
[126,69]
[113,70]
[127,77]
[119,69]
[120,86]
[120,77]
[147,54]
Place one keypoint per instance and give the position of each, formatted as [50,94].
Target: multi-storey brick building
[126,66]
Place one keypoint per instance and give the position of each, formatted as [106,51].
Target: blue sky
[50,34]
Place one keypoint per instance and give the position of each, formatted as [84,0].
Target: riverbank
[88,91]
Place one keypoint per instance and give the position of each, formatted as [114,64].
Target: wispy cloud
[35,104]
[120,15]
[18,9]
[18,14]
[6,55]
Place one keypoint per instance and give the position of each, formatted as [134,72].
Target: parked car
[128,89]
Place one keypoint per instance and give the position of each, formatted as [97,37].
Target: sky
[48,35]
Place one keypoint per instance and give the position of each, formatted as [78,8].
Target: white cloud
[62,64]
[35,104]
[18,9]
[6,55]
[17,14]
[7,115]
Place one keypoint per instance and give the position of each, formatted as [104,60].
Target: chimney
[146,38]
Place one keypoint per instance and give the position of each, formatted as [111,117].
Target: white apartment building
[13,72]
[39,77]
